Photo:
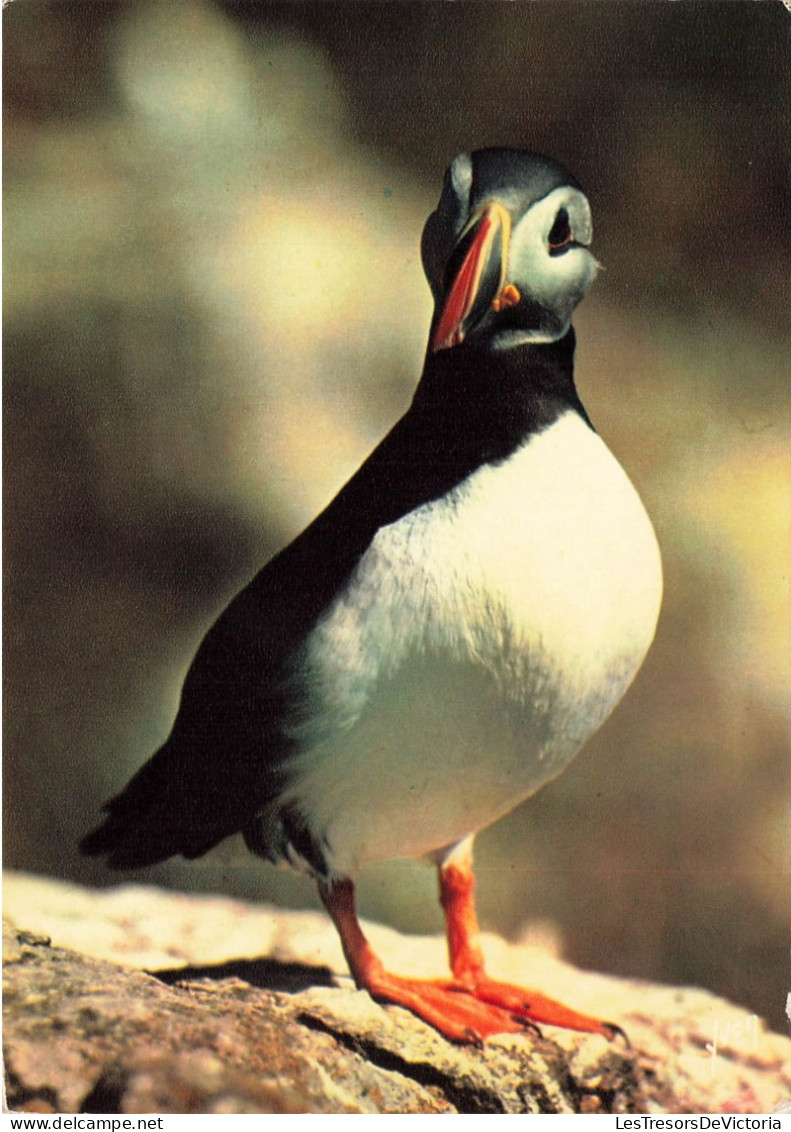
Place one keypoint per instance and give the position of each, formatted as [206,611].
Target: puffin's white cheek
[576,270]
[558,283]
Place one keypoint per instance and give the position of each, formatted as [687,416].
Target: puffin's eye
[560,232]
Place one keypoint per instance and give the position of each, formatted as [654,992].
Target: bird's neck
[504,395]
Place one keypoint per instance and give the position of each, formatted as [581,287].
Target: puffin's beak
[476,276]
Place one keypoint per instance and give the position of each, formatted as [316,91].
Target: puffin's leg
[444,1004]
[456,885]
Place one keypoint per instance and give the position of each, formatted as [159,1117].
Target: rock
[208,1030]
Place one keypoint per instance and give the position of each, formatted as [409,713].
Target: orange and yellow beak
[476,276]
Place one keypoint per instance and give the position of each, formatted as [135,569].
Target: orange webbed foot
[450,1008]
[467,1014]
[468,1008]
[533,1009]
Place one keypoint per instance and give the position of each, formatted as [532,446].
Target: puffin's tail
[149,821]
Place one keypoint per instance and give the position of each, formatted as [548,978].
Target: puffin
[444,637]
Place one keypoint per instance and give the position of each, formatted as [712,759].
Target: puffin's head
[506,252]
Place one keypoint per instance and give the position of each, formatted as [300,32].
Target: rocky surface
[135,1000]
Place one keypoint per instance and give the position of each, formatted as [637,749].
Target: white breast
[480,642]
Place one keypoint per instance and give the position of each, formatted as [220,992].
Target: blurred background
[214,308]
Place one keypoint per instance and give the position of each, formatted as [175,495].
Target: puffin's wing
[223,759]
[226,756]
